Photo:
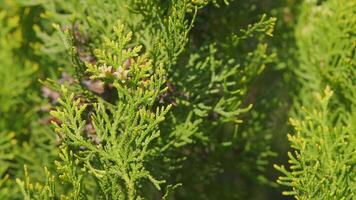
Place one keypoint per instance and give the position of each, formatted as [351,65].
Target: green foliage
[327,30]
[23,136]
[181,99]
[322,163]
[12,96]
[126,129]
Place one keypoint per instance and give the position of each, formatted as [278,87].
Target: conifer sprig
[322,164]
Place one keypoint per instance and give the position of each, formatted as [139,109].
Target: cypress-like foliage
[322,162]
[180,99]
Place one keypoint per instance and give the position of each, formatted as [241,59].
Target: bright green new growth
[125,130]
[322,165]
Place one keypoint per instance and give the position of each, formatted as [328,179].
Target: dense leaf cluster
[180,99]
